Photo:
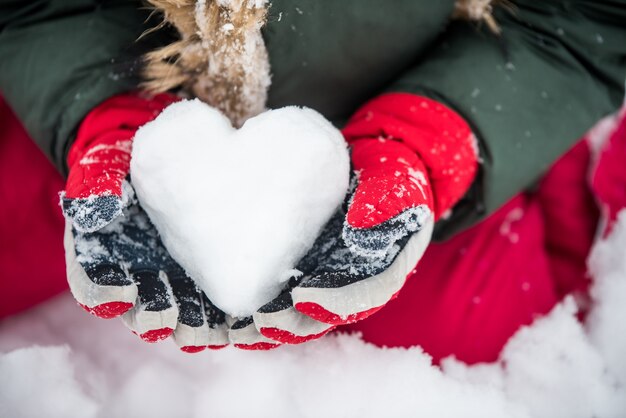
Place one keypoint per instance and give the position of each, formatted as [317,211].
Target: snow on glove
[414,159]
[116,263]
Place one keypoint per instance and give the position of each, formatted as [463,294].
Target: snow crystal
[238,208]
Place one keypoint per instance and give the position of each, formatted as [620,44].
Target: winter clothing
[414,158]
[31,226]
[400,144]
[124,268]
[99,160]
[317,60]
[333,56]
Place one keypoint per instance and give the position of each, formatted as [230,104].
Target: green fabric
[557,68]
[332,55]
[68,56]
[59,59]
[529,95]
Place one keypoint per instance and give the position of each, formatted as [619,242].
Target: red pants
[32,260]
[466,297]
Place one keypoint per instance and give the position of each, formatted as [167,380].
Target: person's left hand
[413,158]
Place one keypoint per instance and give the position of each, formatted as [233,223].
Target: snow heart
[237,209]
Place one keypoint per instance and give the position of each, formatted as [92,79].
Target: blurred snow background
[56,361]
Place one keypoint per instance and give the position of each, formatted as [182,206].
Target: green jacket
[529,94]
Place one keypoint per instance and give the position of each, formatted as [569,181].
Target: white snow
[238,208]
[34,374]
[89,367]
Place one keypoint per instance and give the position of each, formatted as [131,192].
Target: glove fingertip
[287,337]
[321,314]
[92,213]
[244,335]
[155,335]
[193,349]
[378,241]
[215,347]
[260,346]
[108,310]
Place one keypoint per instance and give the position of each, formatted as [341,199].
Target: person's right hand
[116,263]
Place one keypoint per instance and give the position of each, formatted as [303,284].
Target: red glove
[99,159]
[116,263]
[414,158]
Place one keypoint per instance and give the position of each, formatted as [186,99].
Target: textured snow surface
[238,208]
[58,362]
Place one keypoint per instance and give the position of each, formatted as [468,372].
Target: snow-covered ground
[58,362]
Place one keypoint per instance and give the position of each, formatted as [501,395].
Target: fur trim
[220,58]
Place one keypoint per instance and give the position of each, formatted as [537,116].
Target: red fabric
[192,349]
[469,295]
[384,133]
[99,159]
[609,176]
[392,178]
[257,346]
[286,337]
[156,335]
[570,218]
[108,310]
[32,262]
[321,314]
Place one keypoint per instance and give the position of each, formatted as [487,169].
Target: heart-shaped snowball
[238,208]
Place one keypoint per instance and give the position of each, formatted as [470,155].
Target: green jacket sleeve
[557,68]
[60,58]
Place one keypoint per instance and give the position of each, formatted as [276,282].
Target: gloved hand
[116,263]
[413,159]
